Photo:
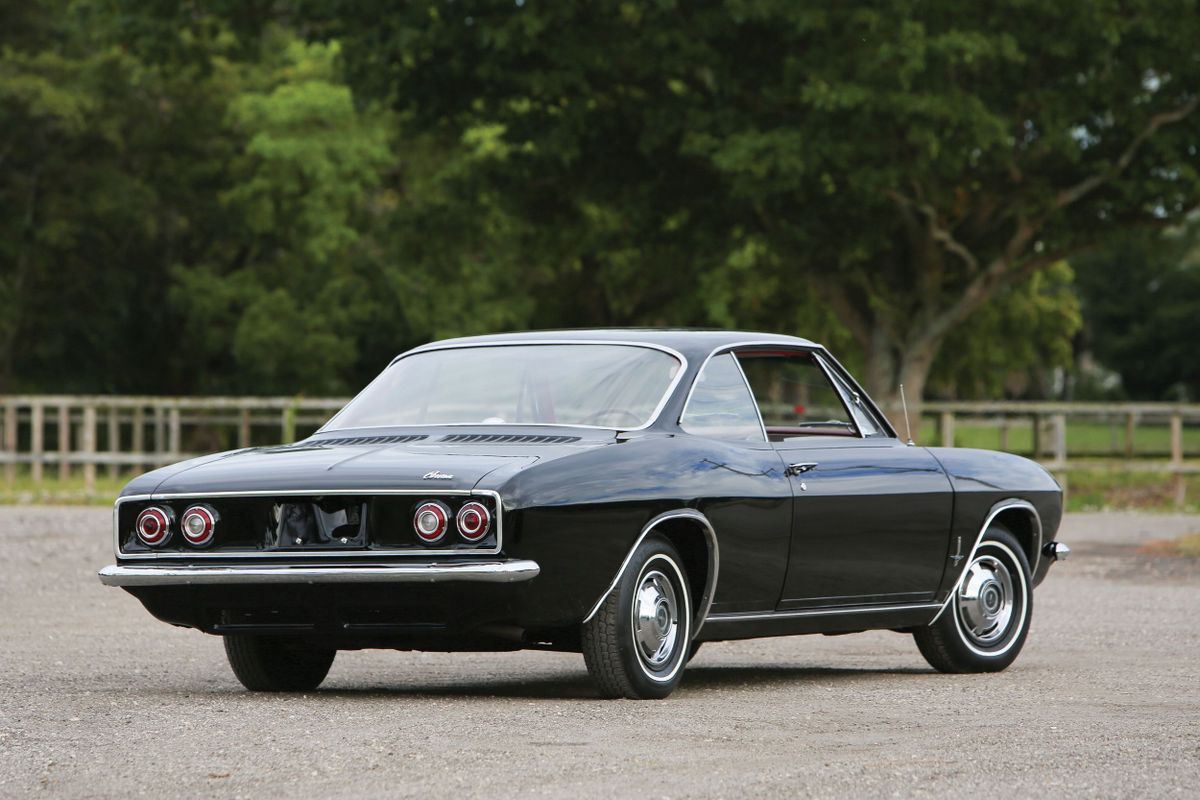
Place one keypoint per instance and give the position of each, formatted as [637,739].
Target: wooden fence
[73,435]
[69,432]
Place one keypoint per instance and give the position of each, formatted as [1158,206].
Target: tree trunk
[890,363]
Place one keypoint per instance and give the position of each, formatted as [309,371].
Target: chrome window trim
[431,492]
[714,564]
[997,509]
[815,350]
[668,393]
[880,418]
[755,616]
[762,426]
[833,382]
[487,572]
[851,399]
[753,401]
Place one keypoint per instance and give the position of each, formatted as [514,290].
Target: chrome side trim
[434,346]
[432,491]
[714,563]
[1003,505]
[753,616]
[488,572]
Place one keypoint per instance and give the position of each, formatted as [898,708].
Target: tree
[280,299]
[1142,299]
[185,211]
[908,162]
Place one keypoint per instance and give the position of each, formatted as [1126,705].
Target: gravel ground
[98,699]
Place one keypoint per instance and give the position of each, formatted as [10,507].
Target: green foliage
[265,196]
[1024,328]
[904,163]
[1142,305]
[281,290]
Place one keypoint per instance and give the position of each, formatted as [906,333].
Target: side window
[721,406]
[862,417]
[795,396]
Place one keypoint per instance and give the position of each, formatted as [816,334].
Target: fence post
[160,436]
[10,442]
[64,441]
[1130,424]
[37,441]
[244,429]
[1037,435]
[139,436]
[1060,440]
[1180,479]
[176,440]
[1177,439]
[114,440]
[287,424]
[947,429]
[88,445]
[1004,432]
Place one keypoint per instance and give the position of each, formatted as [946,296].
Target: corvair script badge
[437,476]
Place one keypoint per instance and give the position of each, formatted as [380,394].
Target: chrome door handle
[799,469]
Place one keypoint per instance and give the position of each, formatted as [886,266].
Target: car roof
[691,342]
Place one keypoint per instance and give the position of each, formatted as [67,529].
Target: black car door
[741,487]
[870,515]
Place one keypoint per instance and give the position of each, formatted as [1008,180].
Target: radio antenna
[907,424]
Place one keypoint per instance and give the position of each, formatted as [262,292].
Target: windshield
[602,385]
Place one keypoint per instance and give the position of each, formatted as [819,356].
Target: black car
[627,494]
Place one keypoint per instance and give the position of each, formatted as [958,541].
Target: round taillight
[198,525]
[474,521]
[431,521]
[153,526]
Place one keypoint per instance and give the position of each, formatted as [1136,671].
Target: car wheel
[637,643]
[277,664]
[984,625]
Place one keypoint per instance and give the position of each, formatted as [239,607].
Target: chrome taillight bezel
[438,510]
[209,517]
[161,517]
[473,533]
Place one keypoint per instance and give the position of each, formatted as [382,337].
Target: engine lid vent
[412,437]
[506,438]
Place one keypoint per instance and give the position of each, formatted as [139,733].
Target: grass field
[1110,487]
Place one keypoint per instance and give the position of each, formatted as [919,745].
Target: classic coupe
[626,494]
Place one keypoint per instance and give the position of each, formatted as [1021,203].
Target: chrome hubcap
[655,619]
[985,600]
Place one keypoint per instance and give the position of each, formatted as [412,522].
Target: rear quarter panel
[580,515]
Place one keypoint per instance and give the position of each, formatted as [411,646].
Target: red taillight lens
[431,521]
[474,521]
[153,526]
[198,525]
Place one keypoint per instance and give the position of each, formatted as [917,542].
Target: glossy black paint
[871,523]
[866,542]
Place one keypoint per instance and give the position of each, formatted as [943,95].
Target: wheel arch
[1022,519]
[696,540]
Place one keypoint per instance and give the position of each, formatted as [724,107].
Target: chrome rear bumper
[487,571]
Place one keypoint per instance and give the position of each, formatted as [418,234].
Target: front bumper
[506,571]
